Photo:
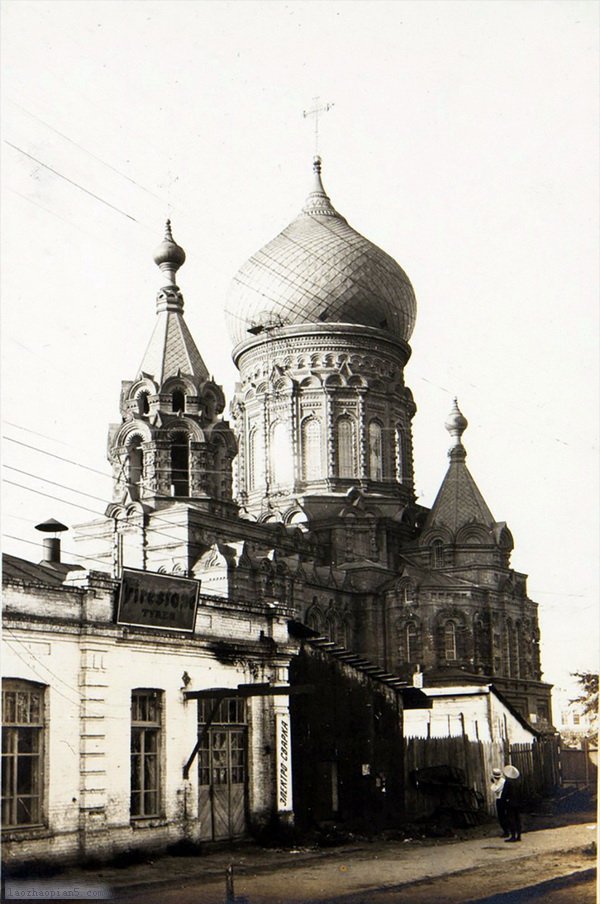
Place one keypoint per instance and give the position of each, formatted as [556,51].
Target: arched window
[517,650]
[375,451]
[508,658]
[136,468]
[346,465]
[23,742]
[344,632]
[256,459]
[311,449]
[402,455]
[282,460]
[178,400]
[180,463]
[143,404]
[314,619]
[411,642]
[219,481]
[437,554]
[450,641]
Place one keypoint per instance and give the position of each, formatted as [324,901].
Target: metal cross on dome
[316,110]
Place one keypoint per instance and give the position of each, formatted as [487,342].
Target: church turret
[172,442]
[460,530]
[321,320]
[469,613]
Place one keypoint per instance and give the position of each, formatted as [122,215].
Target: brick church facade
[307,498]
[318,573]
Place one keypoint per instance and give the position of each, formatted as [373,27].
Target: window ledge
[148,822]
[25,833]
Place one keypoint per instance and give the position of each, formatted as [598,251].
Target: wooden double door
[222,772]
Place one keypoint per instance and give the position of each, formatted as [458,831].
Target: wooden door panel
[222,777]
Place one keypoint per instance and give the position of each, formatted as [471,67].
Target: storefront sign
[155,600]
[284,761]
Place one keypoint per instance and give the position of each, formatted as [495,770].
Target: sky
[462,140]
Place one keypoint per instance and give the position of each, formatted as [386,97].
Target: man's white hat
[496,771]
[511,772]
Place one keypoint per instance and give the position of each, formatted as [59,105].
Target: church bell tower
[171,445]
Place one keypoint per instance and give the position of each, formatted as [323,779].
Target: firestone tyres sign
[157,600]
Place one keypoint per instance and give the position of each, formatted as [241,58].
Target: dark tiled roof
[52,573]
[459,501]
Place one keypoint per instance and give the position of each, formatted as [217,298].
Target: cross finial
[315,111]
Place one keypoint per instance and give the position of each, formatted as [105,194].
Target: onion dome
[456,425]
[169,256]
[320,270]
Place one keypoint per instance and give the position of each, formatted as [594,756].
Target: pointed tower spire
[456,425]
[171,348]
[459,500]
[317,203]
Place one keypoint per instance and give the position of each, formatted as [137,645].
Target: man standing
[498,782]
[511,797]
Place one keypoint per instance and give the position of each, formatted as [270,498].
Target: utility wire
[67,552]
[86,151]
[66,220]
[72,182]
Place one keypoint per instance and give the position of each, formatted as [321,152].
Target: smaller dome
[169,256]
[456,424]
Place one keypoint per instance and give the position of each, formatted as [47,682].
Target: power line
[65,220]
[71,489]
[49,496]
[69,461]
[67,552]
[86,151]
[34,432]
[72,182]
[54,483]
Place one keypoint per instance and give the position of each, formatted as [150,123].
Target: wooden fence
[579,767]
[537,763]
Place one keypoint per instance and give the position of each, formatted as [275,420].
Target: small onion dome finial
[169,256]
[456,424]
[317,163]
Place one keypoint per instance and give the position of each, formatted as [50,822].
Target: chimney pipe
[51,547]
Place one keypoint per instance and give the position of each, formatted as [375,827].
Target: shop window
[23,741]
[146,729]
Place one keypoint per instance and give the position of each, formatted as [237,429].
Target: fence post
[229,891]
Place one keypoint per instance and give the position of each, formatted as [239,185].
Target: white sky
[463,141]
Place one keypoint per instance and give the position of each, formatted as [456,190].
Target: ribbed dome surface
[320,270]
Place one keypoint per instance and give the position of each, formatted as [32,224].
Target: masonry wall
[89,669]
